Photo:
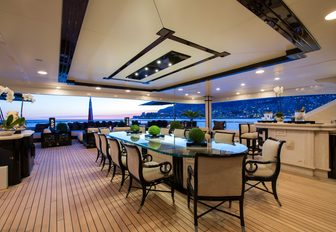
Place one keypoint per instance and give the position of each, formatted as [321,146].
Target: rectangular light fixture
[161,63]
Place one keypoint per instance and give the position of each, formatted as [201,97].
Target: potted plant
[279,116]
[154,131]
[175,125]
[196,136]
[10,124]
[135,129]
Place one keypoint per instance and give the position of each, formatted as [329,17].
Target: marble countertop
[25,133]
[293,126]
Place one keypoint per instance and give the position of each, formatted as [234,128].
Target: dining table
[178,148]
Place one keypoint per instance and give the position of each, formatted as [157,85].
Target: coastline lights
[331,16]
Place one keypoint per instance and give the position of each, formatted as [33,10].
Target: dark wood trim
[73,12]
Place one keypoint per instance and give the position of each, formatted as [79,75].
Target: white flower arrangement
[28,97]
[9,93]
[278,90]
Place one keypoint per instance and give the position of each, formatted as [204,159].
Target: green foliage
[175,125]
[154,130]
[192,114]
[9,123]
[62,127]
[135,128]
[154,144]
[196,135]
[135,137]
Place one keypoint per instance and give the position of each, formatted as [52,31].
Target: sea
[231,123]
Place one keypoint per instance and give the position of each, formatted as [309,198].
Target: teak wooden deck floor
[67,192]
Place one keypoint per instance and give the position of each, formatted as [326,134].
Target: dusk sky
[73,107]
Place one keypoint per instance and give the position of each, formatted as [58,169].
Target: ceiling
[115,31]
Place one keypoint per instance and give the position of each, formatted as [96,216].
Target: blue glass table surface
[174,146]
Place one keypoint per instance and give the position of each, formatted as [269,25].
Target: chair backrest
[219,175]
[92,129]
[224,137]
[204,129]
[115,151]
[124,128]
[143,129]
[179,133]
[97,140]
[271,151]
[104,130]
[219,125]
[253,128]
[164,131]
[103,144]
[243,128]
[134,161]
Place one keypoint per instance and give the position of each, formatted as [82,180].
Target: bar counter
[17,152]
[307,148]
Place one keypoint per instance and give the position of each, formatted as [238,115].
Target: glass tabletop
[174,146]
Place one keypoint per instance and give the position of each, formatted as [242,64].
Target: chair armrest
[251,166]
[165,167]
[147,158]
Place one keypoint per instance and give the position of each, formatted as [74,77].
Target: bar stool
[248,132]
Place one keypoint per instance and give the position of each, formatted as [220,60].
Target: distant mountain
[253,108]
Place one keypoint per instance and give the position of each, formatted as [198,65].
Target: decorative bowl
[7,132]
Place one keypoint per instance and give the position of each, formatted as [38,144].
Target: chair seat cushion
[252,135]
[264,170]
[151,174]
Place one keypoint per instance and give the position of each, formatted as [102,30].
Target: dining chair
[224,137]
[179,133]
[105,152]
[267,169]
[147,175]
[124,128]
[98,146]
[165,131]
[218,178]
[104,130]
[118,159]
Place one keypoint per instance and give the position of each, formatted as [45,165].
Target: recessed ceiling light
[136,74]
[41,72]
[58,87]
[158,61]
[89,94]
[192,98]
[242,84]
[156,70]
[262,90]
[148,94]
[260,71]
[331,16]
[127,90]
[146,68]
[186,94]
[277,78]
[237,93]
[170,64]
[217,89]
[198,92]
[180,89]
[146,75]
[98,88]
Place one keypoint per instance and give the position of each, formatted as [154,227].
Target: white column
[208,112]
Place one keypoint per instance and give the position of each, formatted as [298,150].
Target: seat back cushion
[179,133]
[114,150]
[103,142]
[223,137]
[244,128]
[269,153]
[97,140]
[164,131]
[104,130]
[220,176]
[133,160]
[123,128]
